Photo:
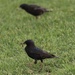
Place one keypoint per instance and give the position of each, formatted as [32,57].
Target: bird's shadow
[38,68]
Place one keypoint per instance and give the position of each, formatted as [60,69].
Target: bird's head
[29,42]
[23,6]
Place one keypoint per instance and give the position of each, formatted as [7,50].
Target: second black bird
[35,52]
[34,10]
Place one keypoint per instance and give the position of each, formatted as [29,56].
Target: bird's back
[34,10]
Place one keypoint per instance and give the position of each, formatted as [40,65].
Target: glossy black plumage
[34,10]
[35,52]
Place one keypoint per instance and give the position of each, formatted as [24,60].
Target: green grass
[53,32]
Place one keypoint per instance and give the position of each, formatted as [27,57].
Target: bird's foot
[35,62]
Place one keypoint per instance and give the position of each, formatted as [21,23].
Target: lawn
[53,32]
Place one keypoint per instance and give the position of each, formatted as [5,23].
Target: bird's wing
[34,6]
[38,53]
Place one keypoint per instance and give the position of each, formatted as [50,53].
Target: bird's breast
[29,52]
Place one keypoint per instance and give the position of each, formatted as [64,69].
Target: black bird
[34,10]
[35,52]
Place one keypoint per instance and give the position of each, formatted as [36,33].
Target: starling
[34,10]
[35,52]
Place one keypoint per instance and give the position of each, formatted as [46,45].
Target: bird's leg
[36,17]
[35,62]
[41,65]
[41,60]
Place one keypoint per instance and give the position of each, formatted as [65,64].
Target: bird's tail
[49,10]
[52,56]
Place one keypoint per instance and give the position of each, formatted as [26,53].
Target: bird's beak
[22,44]
[20,6]
[56,57]
[51,10]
